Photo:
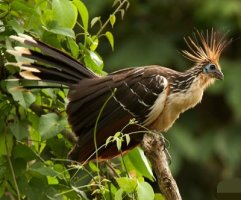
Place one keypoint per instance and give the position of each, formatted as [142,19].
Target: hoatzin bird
[155,96]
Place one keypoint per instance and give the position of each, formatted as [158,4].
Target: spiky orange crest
[205,47]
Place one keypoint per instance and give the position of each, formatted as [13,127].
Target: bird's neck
[183,80]
[193,77]
[203,79]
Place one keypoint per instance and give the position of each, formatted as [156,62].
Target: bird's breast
[176,103]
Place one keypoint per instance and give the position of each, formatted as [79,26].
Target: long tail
[48,64]
[88,93]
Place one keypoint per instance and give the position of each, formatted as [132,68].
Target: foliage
[34,128]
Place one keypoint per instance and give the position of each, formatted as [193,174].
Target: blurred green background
[205,143]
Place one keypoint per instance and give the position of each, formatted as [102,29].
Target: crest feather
[205,47]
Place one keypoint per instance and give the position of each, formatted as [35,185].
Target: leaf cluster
[35,137]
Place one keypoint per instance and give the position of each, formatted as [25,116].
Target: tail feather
[37,71]
[52,65]
[60,65]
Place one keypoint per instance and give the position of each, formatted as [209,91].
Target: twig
[108,20]
[95,131]
[153,146]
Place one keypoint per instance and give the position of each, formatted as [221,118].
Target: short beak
[218,74]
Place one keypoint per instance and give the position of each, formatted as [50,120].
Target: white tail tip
[22,38]
[29,75]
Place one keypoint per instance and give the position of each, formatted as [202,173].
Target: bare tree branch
[153,146]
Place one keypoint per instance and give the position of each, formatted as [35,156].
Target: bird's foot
[165,143]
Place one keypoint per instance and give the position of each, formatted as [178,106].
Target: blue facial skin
[209,68]
[213,71]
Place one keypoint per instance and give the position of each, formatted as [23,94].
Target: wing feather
[136,93]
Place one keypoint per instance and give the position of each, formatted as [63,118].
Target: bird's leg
[158,136]
[165,144]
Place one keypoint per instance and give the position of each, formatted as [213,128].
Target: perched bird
[155,96]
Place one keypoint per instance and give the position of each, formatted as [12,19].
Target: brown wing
[136,91]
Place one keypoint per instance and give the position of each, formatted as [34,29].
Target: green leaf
[63,172]
[25,98]
[74,48]
[20,166]
[43,170]
[58,146]
[145,191]
[118,194]
[94,21]
[127,5]
[117,135]
[3,188]
[23,183]
[93,167]
[24,7]
[3,167]
[4,8]
[128,139]
[159,196]
[34,134]
[65,13]
[16,26]
[108,140]
[37,189]
[110,38]
[5,107]
[50,125]
[84,14]
[94,43]
[112,20]
[118,143]
[61,31]
[19,129]
[127,184]
[47,17]
[52,180]
[8,139]
[93,61]
[23,151]
[122,13]
[140,163]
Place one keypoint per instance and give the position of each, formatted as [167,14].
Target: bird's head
[212,70]
[205,50]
